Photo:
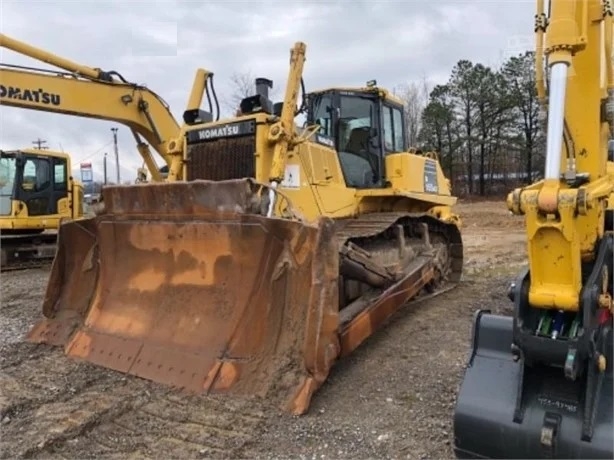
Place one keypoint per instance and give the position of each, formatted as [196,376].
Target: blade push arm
[565,212]
[283,132]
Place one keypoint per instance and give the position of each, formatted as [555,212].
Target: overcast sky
[161,43]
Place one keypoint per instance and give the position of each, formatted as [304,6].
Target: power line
[39,144]
[81,160]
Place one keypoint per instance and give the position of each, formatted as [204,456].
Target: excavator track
[23,252]
[28,265]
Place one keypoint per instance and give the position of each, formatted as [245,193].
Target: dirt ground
[394,397]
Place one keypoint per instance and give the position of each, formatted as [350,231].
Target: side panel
[315,184]
[416,173]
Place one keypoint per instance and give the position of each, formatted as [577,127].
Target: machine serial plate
[557,403]
[430,177]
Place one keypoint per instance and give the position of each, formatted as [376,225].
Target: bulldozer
[538,384]
[269,253]
[37,193]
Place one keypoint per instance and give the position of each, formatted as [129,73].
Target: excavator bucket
[507,410]
[187,284]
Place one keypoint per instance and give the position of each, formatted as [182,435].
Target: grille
[222,159]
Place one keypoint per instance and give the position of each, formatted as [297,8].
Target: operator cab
[39,181]
[363,125]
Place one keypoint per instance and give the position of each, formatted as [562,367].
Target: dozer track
[188,284]
[425,253]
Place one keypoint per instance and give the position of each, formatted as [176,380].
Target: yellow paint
[69,207]
[563,224]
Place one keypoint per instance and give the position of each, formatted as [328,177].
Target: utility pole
[39,144]
[116,153]
[104,168]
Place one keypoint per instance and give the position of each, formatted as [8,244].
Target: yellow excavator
[37,193]
[83,91]
[268,252]
[539,383]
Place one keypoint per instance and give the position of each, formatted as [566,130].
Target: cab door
[37,185]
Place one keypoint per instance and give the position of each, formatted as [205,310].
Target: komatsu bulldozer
[271,253]
[539,383]
[37,193]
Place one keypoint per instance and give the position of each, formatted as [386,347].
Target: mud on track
[393,397]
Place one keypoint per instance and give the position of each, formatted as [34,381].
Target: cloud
[162,43]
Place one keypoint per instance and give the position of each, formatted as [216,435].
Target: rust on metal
[354,330]
[191,290]
[190,285]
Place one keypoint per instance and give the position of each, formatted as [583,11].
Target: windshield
[8,167]
[356,112]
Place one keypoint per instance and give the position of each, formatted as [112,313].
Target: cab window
[392,121]
[388,130]
[60,174]
[36,175]
[359,152]
[323,114]
[8,169]
[397,126]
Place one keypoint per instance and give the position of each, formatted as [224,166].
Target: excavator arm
[539,384]
[92,93]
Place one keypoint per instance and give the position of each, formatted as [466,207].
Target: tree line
[484,122]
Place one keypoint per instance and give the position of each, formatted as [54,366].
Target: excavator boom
[64,94]
[539,384]
[92,93]
[83,91]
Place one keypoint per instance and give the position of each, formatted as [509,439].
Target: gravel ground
[393,397]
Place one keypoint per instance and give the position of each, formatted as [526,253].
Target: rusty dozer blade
[547,421]
[181,284]
[190,285]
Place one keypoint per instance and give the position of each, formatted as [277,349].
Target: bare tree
[243,84]
[415,96]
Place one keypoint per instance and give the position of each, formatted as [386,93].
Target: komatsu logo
[39,96]
[242,128]
[214,133]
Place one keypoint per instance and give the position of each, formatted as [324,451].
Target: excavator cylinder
[556,113]
[547,423]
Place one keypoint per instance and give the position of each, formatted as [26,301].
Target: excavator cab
[36,193]
[32,185]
